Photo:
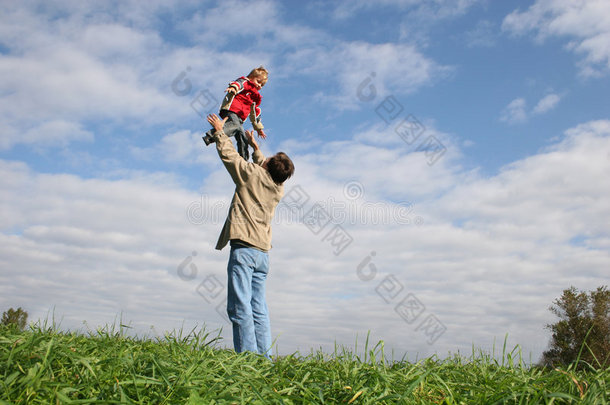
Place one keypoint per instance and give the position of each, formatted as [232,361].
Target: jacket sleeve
[255,117]
[238,168]
[227,100]
[258,157]
[238,84]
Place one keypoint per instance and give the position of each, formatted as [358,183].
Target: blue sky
[465,143]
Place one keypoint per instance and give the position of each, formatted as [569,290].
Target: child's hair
[259,71]
[280,167]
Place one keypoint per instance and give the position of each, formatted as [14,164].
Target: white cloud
[220,23]
[546,104]
[63,70]
[398,69]
[533,193]
[54,133]
[182,147]
[584,23]
[94,248]
[514,112]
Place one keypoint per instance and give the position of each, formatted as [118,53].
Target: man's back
[254,201]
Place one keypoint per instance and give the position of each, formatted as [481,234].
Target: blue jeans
[246,306]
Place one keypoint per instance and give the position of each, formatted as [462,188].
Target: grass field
[45,366]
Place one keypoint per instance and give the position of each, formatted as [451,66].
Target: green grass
[46,366]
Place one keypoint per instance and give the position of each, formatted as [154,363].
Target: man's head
[258,76]
[280,167]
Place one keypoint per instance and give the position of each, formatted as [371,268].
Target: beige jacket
[256,196]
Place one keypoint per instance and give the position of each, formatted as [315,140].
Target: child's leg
[235,127]
[242,143]
[233,124]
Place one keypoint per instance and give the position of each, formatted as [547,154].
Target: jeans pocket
[243,257]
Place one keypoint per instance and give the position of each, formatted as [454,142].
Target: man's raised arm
[235,164]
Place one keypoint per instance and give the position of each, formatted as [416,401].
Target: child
[242,100]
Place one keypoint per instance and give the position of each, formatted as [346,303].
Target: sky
[451,158]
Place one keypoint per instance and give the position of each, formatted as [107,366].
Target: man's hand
[251,140]
[261,134]
[216,122]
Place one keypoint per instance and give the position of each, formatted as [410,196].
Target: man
[258,190]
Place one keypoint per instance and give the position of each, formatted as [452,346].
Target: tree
[583,328]
[17,317]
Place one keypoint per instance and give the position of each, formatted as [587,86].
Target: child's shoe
[208,138]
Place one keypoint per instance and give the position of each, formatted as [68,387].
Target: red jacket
[246,94]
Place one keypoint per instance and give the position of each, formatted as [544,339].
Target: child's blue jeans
[246,306]
[235,127]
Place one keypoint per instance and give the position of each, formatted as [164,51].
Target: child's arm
[255,119]
[257,156]
[226,102]
[234,88]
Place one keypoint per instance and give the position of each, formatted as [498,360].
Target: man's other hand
[251,139]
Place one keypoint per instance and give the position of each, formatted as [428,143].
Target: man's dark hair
[280,167]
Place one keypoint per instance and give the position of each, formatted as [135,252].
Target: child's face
[259,81]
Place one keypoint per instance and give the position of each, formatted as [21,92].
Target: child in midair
[241,101]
